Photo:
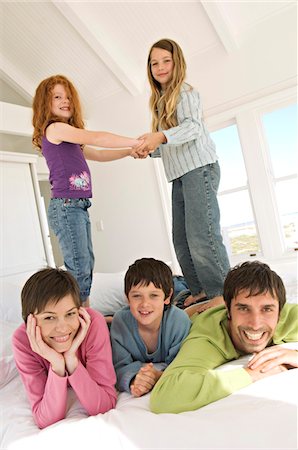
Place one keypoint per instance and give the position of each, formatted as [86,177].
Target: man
[254,320]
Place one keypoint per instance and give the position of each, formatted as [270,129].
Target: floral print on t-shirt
[80,182]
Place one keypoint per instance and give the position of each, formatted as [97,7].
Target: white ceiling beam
[102,47]
[221,26]
[15,79]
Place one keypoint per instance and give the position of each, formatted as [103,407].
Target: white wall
[126,200]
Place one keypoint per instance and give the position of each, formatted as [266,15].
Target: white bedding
[260,416]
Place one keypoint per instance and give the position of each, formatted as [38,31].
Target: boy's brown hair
[149,270]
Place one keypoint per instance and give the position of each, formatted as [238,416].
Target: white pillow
[10,302]
[10,296]
[8,368]
[291,289]
[107,292]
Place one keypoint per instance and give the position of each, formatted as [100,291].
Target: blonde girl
[60,135]
[188,153]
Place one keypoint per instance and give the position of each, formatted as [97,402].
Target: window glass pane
[281,134]
[286,196]
[228,149]
[237,223]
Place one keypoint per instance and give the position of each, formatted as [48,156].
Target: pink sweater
[93,380]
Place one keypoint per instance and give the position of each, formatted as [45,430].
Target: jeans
[179,285]
[69,219]
[196,230]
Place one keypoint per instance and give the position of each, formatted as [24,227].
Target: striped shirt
[189,144]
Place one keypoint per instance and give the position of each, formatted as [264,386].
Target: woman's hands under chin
[39,346]
[70,356]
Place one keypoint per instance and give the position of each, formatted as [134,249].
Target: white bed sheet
[260,416]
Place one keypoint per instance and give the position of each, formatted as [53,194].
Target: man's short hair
[48,285]
[149,270]
[256,278]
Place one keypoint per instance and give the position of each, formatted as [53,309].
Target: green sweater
[191,382]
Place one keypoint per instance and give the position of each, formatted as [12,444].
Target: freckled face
[147,304]
[253,321]
[61,105]
[59,323]
[162,65]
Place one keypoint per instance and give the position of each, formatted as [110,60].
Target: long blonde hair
[42,114]
[163,105]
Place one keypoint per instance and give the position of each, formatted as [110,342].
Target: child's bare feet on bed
[199,308]
[194,298]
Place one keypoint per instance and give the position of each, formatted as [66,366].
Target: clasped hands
[148,144]
[144,380]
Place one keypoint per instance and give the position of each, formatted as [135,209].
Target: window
[237,218]
[280,129]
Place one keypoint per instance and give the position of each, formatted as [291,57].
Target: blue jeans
[69,219]
[179,285]
[196,230]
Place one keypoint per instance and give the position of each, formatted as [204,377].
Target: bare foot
[192,309]
[215,301]
[194,298]
[108,319]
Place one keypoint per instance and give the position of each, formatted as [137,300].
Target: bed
[262,415]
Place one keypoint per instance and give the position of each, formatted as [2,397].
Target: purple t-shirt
[69,172]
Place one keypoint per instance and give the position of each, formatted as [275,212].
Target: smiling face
[147,304]
[59,323]
[162,65]
[253,321]
[61,105]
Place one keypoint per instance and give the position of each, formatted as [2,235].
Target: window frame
[236,258]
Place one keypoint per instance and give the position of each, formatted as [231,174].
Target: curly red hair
[42,114]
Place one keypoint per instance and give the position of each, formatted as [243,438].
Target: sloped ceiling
[102,46]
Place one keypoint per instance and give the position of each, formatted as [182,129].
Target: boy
[147,334]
